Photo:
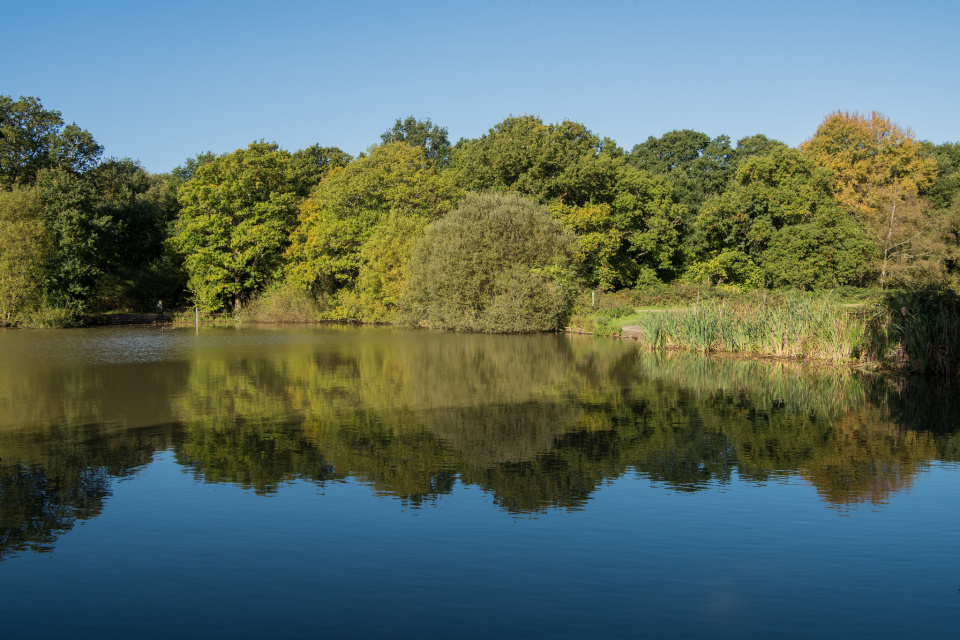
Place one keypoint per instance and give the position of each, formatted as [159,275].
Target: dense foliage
[238,212]
[496,263]
[861,203]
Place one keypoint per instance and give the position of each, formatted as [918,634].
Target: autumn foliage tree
[880,171]
[870,156]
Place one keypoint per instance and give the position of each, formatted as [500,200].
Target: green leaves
[33,138]
[393,188]
[238,212]
[496,263]
[421,133]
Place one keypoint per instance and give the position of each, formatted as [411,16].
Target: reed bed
[764,324]
[910,332]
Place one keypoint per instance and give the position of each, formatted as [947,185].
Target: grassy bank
[911,332]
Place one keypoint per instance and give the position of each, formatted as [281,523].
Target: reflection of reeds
[793,387]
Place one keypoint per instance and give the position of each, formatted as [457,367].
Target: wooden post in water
[196,318]
[593,298]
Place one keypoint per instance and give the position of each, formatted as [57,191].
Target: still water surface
[364,482]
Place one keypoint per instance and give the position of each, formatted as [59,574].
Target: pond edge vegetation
[844,249]
[915,332]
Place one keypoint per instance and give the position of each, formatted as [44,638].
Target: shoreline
[627,332]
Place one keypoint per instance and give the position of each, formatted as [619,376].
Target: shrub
[47,317]
[497,263]
[282,303]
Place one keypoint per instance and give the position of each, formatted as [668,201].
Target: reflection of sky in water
[177,557]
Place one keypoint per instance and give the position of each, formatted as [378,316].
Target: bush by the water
[498,263]
[282,304]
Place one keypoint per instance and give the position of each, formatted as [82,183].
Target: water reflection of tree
[867,461]
[391,452]
[855,438]
[537,421]
[35,508]
[52,478]
[258,456]
[542,423]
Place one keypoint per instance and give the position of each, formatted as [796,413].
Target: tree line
[496,233]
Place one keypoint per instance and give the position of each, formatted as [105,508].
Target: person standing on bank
[160,311]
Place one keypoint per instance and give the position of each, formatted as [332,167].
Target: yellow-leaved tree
[880,170]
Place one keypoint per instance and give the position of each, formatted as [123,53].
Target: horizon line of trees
[495,233]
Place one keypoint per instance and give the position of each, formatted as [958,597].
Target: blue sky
[162,81]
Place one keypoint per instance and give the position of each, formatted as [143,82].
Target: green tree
[943,193]
[33,138]
[563,163]
[188,169]
[307,167]
[25,246]
[635,233]
[755,145]
[497,263]
[421,133]
[142,208]
[381,275]
[768,197]
[696,165]
[82,235]
[627,223]
[828,251]
[236,217]
[394,185]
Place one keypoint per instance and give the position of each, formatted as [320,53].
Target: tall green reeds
[911,332]
[781,325]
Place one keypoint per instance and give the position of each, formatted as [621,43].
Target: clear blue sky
[162,81]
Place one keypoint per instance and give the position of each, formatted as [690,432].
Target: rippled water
[364,482]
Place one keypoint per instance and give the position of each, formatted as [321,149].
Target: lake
[374,482]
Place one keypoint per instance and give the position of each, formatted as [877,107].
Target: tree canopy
[860,203]
[778,214]
[871,157]
[237,214]
[421,133]
[33,138]
[394,185]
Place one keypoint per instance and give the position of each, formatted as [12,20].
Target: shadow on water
[537,422]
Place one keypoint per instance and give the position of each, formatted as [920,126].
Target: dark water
[371,482]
